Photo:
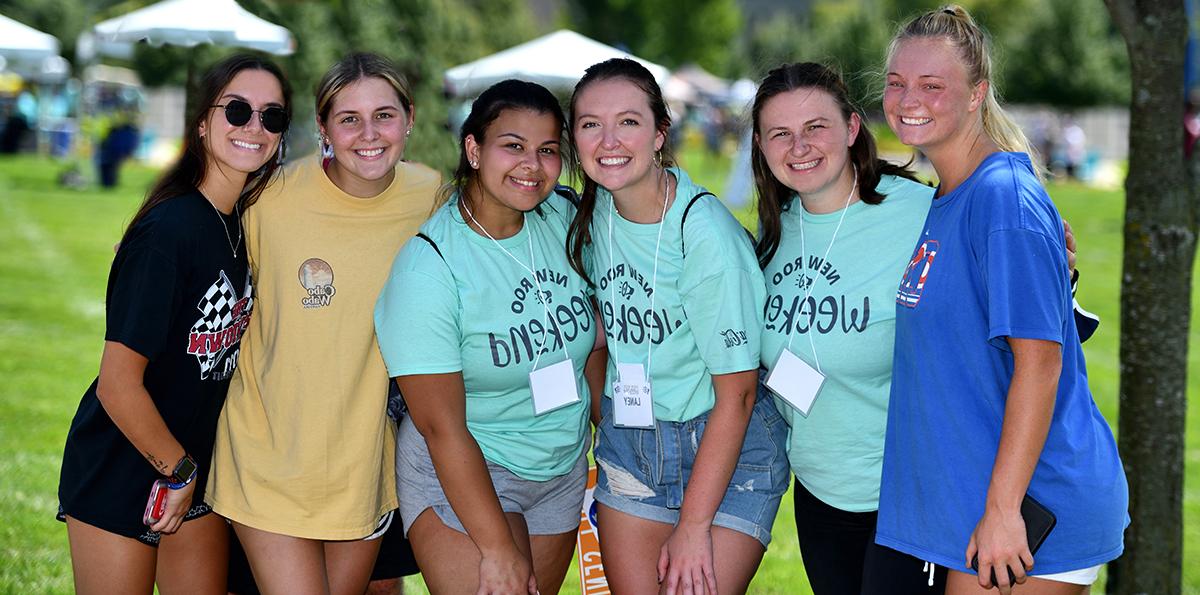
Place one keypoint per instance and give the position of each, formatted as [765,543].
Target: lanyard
[530,268]
[653,277]
[804,261]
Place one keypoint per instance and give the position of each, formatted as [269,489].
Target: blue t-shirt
[849,317]
[991,264]
[706,312]
[474,309]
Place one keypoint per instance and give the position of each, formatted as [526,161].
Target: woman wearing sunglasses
[303,463]
[178,301]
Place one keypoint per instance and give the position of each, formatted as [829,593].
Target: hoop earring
[658,159]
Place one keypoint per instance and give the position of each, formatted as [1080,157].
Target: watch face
[184,470]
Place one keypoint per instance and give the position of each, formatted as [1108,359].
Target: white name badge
[553,387]
[795,381]
[633,405]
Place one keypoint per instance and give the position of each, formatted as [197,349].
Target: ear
[471,148]
[412,118]
[660,139]
[203,128]
[321,128]
[979,94]
[855,125]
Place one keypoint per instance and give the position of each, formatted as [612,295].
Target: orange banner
[591,570]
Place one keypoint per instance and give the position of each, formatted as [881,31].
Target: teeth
[804,166]
[915,121]
[525,183]
[246,145]
[614,160]
[369,152]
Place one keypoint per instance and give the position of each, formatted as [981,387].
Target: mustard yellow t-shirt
[304,446]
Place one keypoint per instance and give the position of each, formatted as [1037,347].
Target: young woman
[303,462]
[692,465]
[836,228]
[178,301]
[487,331]
[989,399]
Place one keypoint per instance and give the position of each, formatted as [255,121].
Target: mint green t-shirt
[706,313]
[837,451]
[474,309]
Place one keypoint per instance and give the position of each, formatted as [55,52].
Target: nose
[609,139]
[799,144]
[255,122]
[370,129]
[907,99]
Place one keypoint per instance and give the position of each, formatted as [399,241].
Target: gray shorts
[550,507]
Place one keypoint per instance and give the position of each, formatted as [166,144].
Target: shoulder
[1008,195]
[903,190]
[418,177]
[174,217]
[294,177]
[557,209]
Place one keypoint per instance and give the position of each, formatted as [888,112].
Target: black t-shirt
[178,296]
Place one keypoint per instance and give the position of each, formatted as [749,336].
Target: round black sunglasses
[237,112]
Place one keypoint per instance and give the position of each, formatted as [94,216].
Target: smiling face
[616,135]
[929,101]
[806,142]
[367,127]
[518,160]
[242,149]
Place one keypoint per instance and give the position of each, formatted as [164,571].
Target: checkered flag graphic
[216,314]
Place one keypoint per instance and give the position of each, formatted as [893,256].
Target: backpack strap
[682,220]
[568,193]
[432,244]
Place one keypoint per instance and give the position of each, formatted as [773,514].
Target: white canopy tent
[22,42]
[557,61]
[30,53]
[189,23]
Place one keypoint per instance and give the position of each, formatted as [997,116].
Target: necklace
[232,246]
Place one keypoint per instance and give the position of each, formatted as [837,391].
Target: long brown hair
[579,234]
[186,174]
[773,196]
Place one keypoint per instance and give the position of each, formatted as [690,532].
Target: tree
[1161,212]
[671,32]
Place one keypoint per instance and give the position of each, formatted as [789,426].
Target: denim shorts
[550,507]
[643,472]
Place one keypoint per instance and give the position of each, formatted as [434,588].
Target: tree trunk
[1160,246]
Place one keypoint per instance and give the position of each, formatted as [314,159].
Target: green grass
[59,246]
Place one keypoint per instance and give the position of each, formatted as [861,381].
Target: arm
[596,367]
[687,554]
[125,400]
[999,538]
[437,404]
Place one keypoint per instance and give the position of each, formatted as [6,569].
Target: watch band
[184,473]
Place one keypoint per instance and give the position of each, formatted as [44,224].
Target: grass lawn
[60,242]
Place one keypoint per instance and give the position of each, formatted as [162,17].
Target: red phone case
[156,504]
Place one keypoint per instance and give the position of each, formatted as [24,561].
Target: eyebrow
[378,109]
[236,96]
[620,113]
[806,122]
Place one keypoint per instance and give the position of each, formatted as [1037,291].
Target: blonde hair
[952,23]
[358,66]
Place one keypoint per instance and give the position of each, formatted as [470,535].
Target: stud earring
[408,132]
[474,164]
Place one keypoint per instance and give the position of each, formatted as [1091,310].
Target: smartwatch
[184,473]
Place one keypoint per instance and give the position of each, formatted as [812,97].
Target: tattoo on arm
[158,464]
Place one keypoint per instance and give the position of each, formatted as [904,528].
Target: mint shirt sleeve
[1027,287]
[417,315]
[722,289]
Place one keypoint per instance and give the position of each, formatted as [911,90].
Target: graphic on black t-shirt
[223,318]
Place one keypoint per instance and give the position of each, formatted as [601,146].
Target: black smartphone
[1039,521]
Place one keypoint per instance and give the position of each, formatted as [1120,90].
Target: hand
[685,562]
[178,503]
[999,541]
[506,572]
[1070,239]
